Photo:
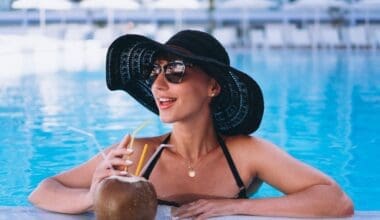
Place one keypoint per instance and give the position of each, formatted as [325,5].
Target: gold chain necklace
[191,171]
[191,168]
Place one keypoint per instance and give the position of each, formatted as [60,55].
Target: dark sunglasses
[174,71]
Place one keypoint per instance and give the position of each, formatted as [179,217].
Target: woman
[211,164]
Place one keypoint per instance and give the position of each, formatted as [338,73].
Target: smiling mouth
[165,103]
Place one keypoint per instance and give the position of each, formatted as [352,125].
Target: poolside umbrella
[245,6]
[315,6]
[177,6]
[110,6]
[250,4]
[42,6]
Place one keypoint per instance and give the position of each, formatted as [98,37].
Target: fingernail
[123,172]
[129,150]
[128,162]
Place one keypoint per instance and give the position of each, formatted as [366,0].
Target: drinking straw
[142,157]
[93,138]
[141,126]
[154,156]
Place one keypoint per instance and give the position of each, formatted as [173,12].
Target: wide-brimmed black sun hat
[238,109]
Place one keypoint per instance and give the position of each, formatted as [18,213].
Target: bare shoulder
[262,157]
[248,152]
[255,153]
[251,145]
[258,152]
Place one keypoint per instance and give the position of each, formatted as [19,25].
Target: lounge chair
[274,36]
[358,37]
[329,37]
[299,38]
[257,38]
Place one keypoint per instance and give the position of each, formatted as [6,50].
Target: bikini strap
[168,203]
[153,162]
[239,182]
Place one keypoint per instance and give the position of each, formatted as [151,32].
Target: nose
[160,83]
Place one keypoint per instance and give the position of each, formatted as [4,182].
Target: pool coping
[32,213]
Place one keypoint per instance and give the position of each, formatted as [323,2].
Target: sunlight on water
[321,108]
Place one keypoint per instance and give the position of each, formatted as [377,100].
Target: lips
[165,102]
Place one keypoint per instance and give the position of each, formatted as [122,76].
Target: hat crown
[200,44]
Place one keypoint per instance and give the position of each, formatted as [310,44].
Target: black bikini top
[242,193]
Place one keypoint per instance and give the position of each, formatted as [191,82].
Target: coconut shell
[121,198]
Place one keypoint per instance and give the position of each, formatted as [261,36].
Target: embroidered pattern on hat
[238,108]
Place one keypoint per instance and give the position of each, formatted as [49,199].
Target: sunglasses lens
[175,71]
[156,69]
[151,78]
[175,77]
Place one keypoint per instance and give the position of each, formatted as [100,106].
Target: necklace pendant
[191,173]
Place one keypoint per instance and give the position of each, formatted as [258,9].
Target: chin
[167,118]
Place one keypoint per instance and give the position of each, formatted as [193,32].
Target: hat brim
[238,109]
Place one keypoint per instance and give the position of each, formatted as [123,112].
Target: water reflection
[321,108]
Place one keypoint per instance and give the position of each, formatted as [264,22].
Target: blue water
[323,108]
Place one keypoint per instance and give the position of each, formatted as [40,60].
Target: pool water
[323,108]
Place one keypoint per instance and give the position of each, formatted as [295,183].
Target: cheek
[195,95]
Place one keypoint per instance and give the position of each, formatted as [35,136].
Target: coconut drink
[125,197]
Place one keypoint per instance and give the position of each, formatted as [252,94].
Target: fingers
[119,152]
[116,161]
[124,143]
[113,163]
[205,208]
[118,158]
[192,209]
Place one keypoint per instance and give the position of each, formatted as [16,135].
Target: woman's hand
[73,191]
[205,208]
[114,159]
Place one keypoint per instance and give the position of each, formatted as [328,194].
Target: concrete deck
[31,213]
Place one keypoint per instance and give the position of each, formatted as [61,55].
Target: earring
[212,94]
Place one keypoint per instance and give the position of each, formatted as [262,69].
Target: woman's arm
[321,200]
[68,192]
[308,192]
[72,191]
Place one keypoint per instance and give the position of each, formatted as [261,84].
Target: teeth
[166,99]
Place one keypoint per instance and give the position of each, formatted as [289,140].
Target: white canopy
[247,4]
[314,5]
[110,4]
[176,4]
[367,5]
[42,4]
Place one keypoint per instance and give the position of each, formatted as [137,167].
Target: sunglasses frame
[163,69]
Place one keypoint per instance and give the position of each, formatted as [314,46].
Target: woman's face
[184,100]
